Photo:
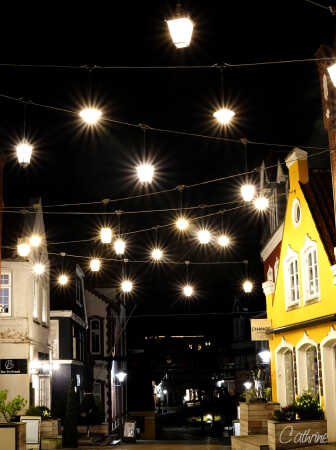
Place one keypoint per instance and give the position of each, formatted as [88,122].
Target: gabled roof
[318,194]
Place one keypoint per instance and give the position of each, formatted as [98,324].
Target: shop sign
[13,366]
[259,328]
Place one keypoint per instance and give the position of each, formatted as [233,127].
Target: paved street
[163,446]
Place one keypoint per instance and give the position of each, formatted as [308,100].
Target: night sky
[273,104]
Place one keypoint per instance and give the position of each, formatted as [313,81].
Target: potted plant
[12,434]
[301,424]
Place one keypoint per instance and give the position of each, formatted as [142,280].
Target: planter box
[308,433]
[13,436]
[254,417]
[50,428]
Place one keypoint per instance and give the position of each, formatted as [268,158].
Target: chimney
[297,165]
[328,97]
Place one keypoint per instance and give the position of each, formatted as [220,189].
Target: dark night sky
[277,104]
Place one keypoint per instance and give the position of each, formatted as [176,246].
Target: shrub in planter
[308,407]
[268,394]
[9,409]
[286,414]
[42,411]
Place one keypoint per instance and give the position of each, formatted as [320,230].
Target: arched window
[310,272]
[308,366]
[95,336]
[285,375]
[312,370]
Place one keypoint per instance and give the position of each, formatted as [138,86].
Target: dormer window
[292,279]
[310,272]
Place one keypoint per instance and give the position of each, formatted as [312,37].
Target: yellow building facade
[301,301]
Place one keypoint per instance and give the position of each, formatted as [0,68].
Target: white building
[25,364]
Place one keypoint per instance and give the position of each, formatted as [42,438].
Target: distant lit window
[95,336]
[199,347]
[5,293]
[35,298]
[190,346]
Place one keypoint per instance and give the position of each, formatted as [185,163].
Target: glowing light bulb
[23,249]
[127,286]
[247,385]
[224,116]
[247,286]
[95,265]
[265,356]
[204,236]
[247,192]
[188,290]
[23,152]
[145,173]
[39,269]
[63,279]
[35,240]
[261,203]
[121,376]
[91,116]
[106,235]
[182,224]
[223,240]
[332,73]
[180,30]
[119,246]
[157,254]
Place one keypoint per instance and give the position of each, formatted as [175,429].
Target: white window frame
[270,274]
[310,248]
[36,288]
[291,258]
[295,206]
[280,354]
[99,334]
[9,287]
[276,269]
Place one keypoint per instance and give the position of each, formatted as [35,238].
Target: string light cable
[172,67]
[27,208]
[331,9]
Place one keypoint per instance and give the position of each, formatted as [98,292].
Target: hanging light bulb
[182,224]
[180,30]
[247,286]
[106,235]
[261,203]
[23,152]
[332,73]
[157,254]
[188,290]
[91,116]
[223,240]
[145,173]
[204,236]
[119,246]
[63,279]
[224,116]
[126,286]
[95,265]
[23,248]
[247,192]
[35,240]
[39,269]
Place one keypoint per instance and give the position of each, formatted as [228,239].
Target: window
[35,298]
[97,391]
[74,343]
[44,391]
[310,272]
[285,375]
[292,280]
[95,336]
[296,212]
[44,306]
[312,370]
[5,293]
[270,274]
[276,268]
[79,292]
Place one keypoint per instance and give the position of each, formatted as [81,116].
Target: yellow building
[301,302]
